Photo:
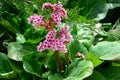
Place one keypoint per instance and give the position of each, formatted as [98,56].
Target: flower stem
[61,68]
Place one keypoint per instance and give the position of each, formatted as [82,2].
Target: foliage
[97,43]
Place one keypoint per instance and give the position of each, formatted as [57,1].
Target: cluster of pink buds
[51,41]
[80,55]
[58,12]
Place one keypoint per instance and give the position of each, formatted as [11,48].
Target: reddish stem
[61,68]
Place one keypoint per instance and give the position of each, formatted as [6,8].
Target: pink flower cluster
[65,37]
[58,13]
[51,41]
[36,20]
[56,44]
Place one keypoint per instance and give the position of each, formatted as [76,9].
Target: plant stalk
[61,68]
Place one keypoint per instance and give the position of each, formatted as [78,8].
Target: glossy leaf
[20,38]
[31,64]
[16,66]
[95,59]
[16,51]
[78,70]
[5,69]
[34,37]
[107,50]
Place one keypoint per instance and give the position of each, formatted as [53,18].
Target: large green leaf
[107,50]
[31,64]
[9,27]
[78,70]
[34,36]
[95,59]
[5,69]
[114,34]
[16,66]
[16,51]
[97,10]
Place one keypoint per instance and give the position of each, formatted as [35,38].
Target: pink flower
[64,35]
[36,20]
[58,12]
[47,5]
[57,19]
[51,42]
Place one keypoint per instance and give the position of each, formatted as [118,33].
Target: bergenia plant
[57,44]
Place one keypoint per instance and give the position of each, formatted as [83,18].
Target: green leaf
[8,26]
[96,75]
[16,66]
[107,50]
[20,38]
[95,60]
[117,63]
[78,70]
[114,34]
[5,69]
[34,37]
[16,51]
[31,64]
[49,61]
